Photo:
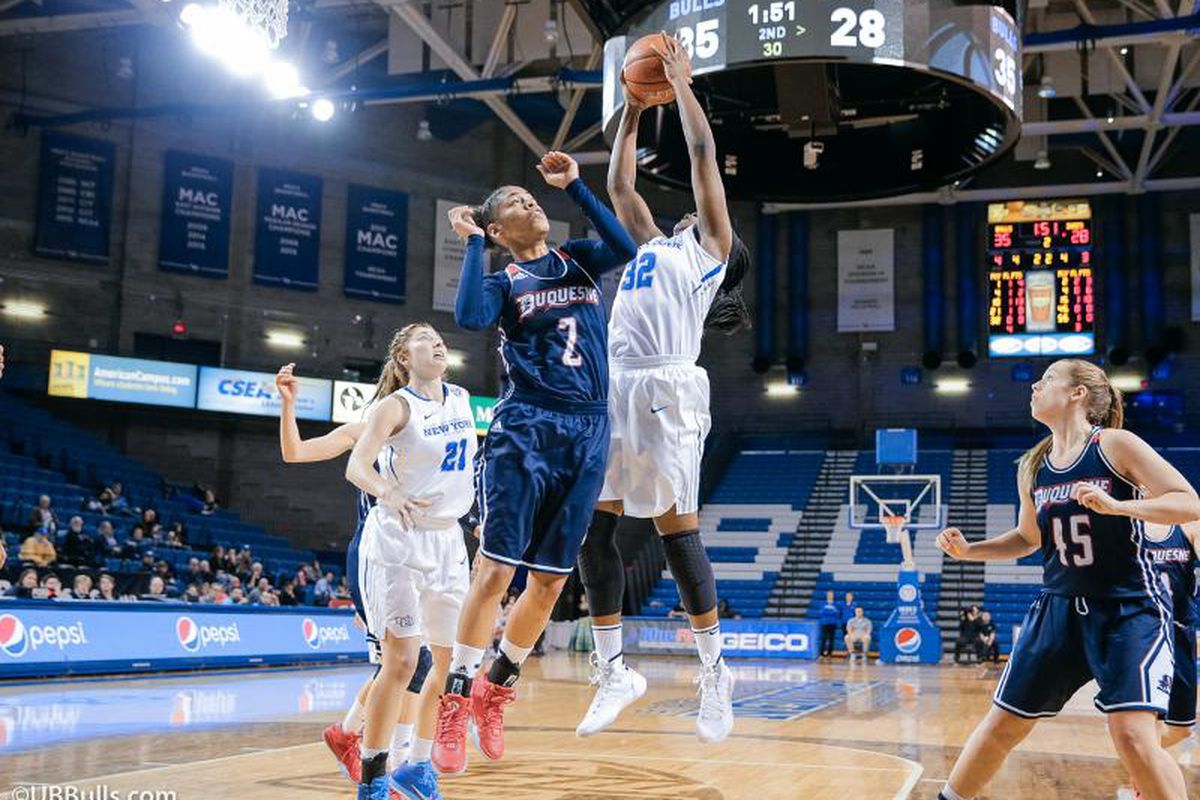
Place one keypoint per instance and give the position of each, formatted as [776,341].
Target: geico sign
[777,642]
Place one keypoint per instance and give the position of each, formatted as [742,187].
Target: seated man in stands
[107,543]
[100,504]
[858,634]
[968,626]
[77,547]
[135,544]
[120,503]
[156,590]
[986,647]
[38,550]
[287,595]
[52,586]
[323,590]
[43,516]
[82,587]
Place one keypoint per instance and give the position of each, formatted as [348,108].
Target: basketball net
[894,525]
[267,17]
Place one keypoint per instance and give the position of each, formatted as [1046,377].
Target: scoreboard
[1041,279]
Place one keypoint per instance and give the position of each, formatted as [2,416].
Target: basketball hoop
[893,524]
[268,18]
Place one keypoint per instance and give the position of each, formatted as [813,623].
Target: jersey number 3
[1081,534]
[640,274]
[456,456]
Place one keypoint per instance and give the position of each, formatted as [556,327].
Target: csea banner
[196,205]
[74,205]
[239,391]
[376,244]
[287,244]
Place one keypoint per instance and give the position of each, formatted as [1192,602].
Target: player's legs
[417,779]
[983,755]
[1174,734]
[400,657]
[1136,739]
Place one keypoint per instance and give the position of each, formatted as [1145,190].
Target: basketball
[643,71]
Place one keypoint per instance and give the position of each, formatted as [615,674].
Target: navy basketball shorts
[1124,643]
[539,476]
[1181,710]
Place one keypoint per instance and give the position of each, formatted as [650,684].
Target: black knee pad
[600,566]
[424,664]
[692,571]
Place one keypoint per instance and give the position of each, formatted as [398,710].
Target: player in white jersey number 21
[675,287]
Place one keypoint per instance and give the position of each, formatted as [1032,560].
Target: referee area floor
[804,730]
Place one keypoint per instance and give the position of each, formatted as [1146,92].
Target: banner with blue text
[376,244]
[196,205]
[287,245]
[74,206]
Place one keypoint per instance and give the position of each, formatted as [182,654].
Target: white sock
[708,643]
[609,644]
[464,658]
[950,794]
[401,740]
[354,719]
[515,652]
[421,750]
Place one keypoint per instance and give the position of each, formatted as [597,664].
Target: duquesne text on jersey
[1061,492]
[557,297]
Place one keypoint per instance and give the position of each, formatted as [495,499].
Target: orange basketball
[643,71]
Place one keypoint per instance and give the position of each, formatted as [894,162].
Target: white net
[269,17]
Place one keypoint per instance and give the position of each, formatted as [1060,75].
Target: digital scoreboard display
[1041,279]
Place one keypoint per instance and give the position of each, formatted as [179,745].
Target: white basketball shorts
[659,419]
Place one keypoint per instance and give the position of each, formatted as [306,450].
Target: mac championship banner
[74,206]
[376,244]
[866,281]
[288,240]
[197,200]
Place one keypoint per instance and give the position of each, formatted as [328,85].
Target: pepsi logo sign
[192,637]
[12,636]
[316,635]
[17,638]
[908,640]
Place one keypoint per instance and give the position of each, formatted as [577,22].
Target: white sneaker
[616,688]
[715,720]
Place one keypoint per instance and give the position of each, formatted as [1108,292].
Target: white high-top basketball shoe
[616,688]
[715,719]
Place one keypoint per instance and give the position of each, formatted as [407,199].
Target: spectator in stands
[726,611]
[343,590]
[135,544]
[82,589]
[256,574]
[194,575]
[301,579]
[108,588]
[847,610]
[78,549]
[210,503]
[323,590]
[236,597]
[968,632]
[43,516]
[26,585]
[287,595]
[120,503]
[173,540]
[107,542]
[206,570]
[858,632]
[53,586]
[258,589]
[100,504]
[180,532]
[149,517]
[987,648]
[156,590]
[38,550]
[156,535]
[831,620]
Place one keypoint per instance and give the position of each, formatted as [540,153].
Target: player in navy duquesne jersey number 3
[542,463]
[1102,613]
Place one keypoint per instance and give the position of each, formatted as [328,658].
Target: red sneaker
[344,747]
[450,740]
[487,707]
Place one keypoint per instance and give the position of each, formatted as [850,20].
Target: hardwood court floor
[804,730]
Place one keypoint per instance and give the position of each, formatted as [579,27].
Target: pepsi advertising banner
[74,206]
[40,638]
[287,244]
[238,391]
[196,203]
[909,636]
[740,638]
[376,244]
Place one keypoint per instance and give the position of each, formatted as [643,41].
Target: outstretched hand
[286,382]
[558,169]
[462,219]
[676,65]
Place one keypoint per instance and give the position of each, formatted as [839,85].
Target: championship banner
[740,638]
[1194,224]
[376,244]
[448,251]
[74,206]
[866,281]
[237,391]
[45,638]
[287,244]
[123,380]
[196,205]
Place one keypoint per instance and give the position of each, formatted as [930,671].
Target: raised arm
[479,301]
[1017,543]
[616,246]
[629,206]
[1171,500]
[321,448]
[716,232]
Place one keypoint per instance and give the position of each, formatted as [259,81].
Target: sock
[374,763]
[516,654]
[949,794]
[503,671]
[354,719]
[609,644]
[466,659]
[421,750]
[708,643]
[401,739]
